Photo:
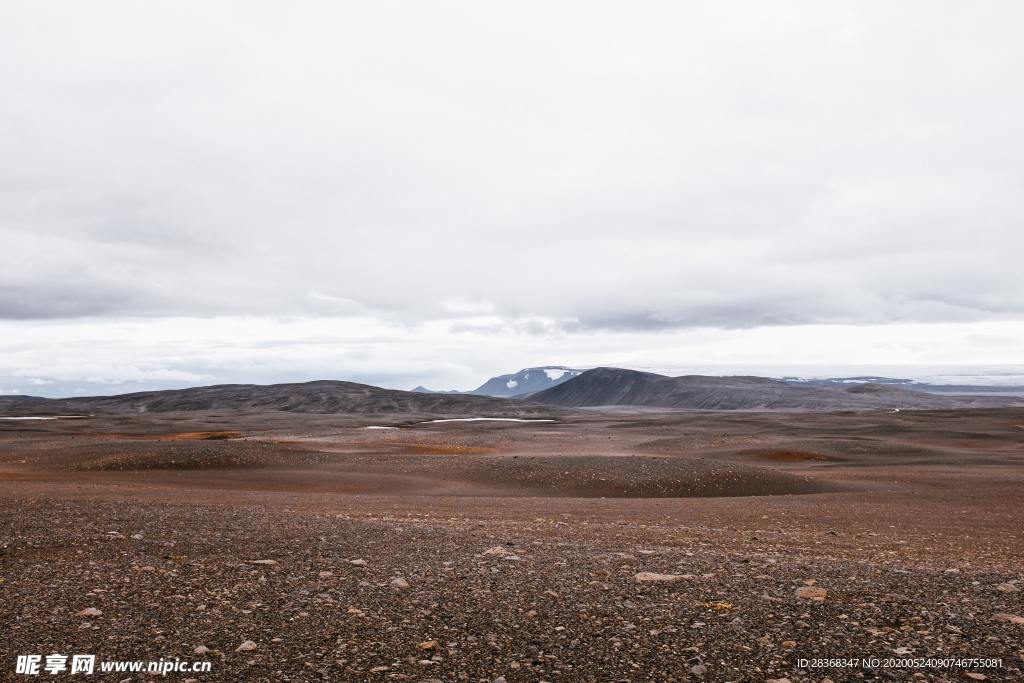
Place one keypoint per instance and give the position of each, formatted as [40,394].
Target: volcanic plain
[571,545]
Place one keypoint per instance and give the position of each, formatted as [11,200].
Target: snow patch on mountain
[526,381]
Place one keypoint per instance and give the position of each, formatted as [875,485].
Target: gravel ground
[479,598]
[281,556]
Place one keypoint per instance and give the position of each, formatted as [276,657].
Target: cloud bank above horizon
[332,184]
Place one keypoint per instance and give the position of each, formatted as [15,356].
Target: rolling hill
[323,396]
[619,387]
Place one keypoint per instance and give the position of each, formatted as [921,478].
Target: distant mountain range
[916,385]
[562,388]
[324,396]
[526,381]
[534,380]
[619,387]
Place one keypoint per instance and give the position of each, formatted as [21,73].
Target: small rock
[325,574]
[267,562]
[975,676]
[201,650]
[698,670]
[358,563]
[246,646]
[789,644]
[1012,618]
[399,583]
[644,577]
[89,612]
[1006,588]
[428,645]
[811,593]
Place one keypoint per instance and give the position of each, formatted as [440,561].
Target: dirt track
[520,543]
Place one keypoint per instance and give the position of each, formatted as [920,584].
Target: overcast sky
[435,192]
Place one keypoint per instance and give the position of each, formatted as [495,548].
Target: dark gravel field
[625,548]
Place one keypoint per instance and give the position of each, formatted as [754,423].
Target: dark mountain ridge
[619,387]
[322,396]
[591,388]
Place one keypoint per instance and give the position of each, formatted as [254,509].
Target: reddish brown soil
[911,521]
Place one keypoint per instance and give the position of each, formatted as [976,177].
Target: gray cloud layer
[620,166]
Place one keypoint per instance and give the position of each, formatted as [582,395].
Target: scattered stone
[358,563]
[325,574]
[201,650]
[89,612]
[815,593]
[645,577]
[428,645]
[1012,618]
[266,562]
[399,583]
[246,646]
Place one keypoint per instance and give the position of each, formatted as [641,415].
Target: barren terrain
[600,546]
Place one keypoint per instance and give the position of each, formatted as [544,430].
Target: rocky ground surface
[281,584]
[392,597]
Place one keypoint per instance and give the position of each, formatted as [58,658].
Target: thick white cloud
[635,167]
